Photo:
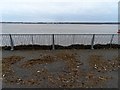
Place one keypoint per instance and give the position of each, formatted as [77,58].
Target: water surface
[60,28]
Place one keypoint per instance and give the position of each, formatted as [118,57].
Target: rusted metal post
[11,42]
[53,42]
[92,41]
[111,40]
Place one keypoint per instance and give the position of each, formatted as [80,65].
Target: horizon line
[61,22]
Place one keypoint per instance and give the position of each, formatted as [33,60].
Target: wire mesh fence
[58,39]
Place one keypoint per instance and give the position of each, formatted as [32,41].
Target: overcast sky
[59,10]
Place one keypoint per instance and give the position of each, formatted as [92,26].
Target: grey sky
[59,10]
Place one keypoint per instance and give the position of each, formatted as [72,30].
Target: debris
[102,65]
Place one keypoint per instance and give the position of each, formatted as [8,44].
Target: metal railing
[58,39]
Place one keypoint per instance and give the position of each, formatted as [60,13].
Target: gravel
[70,63]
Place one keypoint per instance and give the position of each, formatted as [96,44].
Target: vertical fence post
[73,38]
[32,42]
[92,41]
[53,42]
[11,42]
[111,40]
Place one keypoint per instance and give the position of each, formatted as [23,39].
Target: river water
[59,29]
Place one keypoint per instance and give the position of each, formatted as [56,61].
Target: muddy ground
[60,68]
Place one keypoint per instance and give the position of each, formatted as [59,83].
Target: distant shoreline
[60,22]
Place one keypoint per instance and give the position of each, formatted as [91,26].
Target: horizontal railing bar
[59,34]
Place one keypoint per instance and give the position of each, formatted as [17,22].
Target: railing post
[53,42]
[32,40]
[92,41]
[11,42]
[111,40]
[73,38]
